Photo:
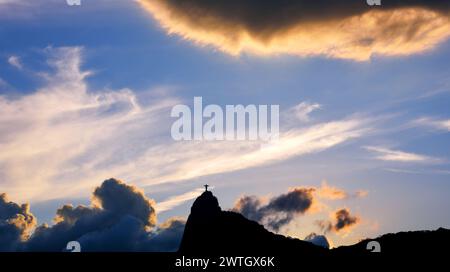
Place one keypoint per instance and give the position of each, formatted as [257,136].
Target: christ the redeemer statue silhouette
[206,187]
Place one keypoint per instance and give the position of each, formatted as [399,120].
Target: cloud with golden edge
[335,29]
[333,193]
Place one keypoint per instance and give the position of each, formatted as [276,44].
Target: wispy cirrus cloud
[221,157]
[174,201]
[54,140]
[439,124]
[386,154]
[10,2]
[419,171]
[61,139]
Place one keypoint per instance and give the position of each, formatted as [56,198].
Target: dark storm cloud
[279,211]
[128,234]
[269,16]
[250,207]
[121,218]
[343,220]
[298,201]
[118,209]
[305,27]
[132,201]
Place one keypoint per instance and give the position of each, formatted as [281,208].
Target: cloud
[338,29]
[16,223]
[68,136]
[5,2]
[343,220]
[16,62]
[120,218]
[329,192]
[132,201]
[128,235]
[386,154]
[302,110]
[243,155]
[433,123]
[279,211]
[11,2]
[419,171]
[318,240]
[167,237]
[18,9]
[177,200]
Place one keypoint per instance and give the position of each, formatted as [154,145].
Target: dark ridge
[211,231]
[425,242]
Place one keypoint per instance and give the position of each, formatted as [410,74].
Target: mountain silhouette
[210,230]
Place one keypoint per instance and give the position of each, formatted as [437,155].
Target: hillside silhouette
[408,243]
[210,230]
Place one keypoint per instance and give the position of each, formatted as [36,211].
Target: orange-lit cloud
[330,192]
[16,223]
[340,29]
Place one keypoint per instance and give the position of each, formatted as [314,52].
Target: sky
[86,93]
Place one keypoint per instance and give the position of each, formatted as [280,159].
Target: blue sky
[396,147]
